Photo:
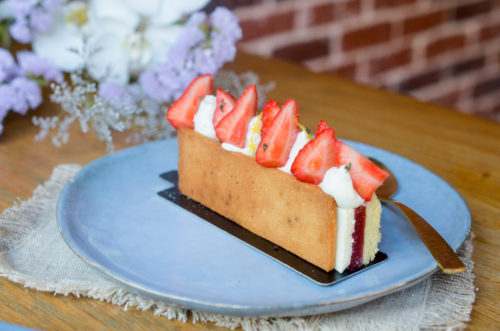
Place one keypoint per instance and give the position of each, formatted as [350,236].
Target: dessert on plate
[313,196]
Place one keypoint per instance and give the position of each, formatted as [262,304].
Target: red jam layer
[358,237]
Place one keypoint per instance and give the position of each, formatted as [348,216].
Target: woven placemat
[33,253]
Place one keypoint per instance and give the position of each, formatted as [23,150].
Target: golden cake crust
[295,215]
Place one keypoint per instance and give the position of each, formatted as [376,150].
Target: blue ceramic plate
[112,217]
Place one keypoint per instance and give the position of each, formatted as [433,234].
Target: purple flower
[27,95]
[226,23]
[18,90]
[33,65]
[40,19]
[196,19]
[31,16]
[116,94]
[21,32]
[190,36]
[22,8]
[149,83]
[51,5]
[203,46]
[8,97]
[8,67]
[224,36]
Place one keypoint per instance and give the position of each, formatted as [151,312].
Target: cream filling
[337,182]
[345,228]
[252,139]
[302,139]
[203,119]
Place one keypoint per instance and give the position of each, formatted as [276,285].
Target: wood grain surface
[463,150]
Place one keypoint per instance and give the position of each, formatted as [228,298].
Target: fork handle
[447,259]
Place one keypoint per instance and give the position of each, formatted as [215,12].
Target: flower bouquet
[112,65]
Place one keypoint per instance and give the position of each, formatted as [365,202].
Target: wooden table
[463,150]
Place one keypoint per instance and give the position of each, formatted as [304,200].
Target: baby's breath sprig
[132,110]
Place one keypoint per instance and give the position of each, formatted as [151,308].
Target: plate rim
[262,311]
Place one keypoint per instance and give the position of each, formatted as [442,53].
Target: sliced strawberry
[366,176]
[321,126]
[277,141]
[181,112]
[315,158]
[270,110]
[232,128]
[225,103]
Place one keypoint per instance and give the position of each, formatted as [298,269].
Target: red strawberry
[366,176]
[232,128]
[277,141]
[317,156]
[321,126]
[225,103]
[270,110]
[181,112]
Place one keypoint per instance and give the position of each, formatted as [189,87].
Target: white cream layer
[252,139]
[203,119]
[345,228]
[302,139]
[337,182]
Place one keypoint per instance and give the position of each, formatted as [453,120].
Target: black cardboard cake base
[281,255]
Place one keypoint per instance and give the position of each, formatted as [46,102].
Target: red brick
[489,112]
[303,51]
[495,110]
[490,32]
[347,71]
[423,22]
[267,25]
[472,9]
[420,80]
[391,3]
[336,11]
[444,45]
[467,65]
[366,36]
[486,87]
[448,100]
[390,61]
[322,14]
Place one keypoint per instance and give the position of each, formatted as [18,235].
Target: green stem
[40,81]
[5,35]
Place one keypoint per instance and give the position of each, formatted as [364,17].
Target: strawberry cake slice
[315,197]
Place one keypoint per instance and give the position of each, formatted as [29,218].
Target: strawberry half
[276,143]
[225,103]
[366,176]
[181,112]
[321,126]
[317,156]
[270,110]
[232,128]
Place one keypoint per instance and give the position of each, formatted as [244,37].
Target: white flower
[113,39]
[63,43]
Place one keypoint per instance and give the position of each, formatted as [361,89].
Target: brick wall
[443,51]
